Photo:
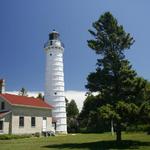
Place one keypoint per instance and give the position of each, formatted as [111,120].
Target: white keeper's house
[23,115]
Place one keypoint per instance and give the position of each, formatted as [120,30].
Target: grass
[140,141]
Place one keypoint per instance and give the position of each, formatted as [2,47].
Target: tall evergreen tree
[72,109]
[72,114]
[114,77]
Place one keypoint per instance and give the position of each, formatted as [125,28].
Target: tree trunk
[118,132]
[112,128]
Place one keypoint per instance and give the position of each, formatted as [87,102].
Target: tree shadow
[101,145]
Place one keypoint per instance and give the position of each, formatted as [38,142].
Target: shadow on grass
[101,145]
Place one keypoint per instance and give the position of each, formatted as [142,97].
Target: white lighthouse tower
[54,80]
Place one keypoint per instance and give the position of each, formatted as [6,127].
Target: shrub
[37,134]
[148,132]
[9,136]
[137,128]
[72,125]
[83,130]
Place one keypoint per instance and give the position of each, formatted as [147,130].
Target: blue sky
[24,28]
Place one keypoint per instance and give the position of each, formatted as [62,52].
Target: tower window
[50,54]
[51,43]
[55,93]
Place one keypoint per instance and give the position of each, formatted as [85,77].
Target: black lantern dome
[54,35]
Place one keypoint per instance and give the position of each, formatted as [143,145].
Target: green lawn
[139,141]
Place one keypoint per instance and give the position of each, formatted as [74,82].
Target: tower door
[44,123]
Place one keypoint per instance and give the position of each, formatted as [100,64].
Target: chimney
[2,86]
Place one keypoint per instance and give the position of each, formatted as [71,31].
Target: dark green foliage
[148,131]
[144,112]
[23,92]
[40,96]
[113,77]
[121,90]
[89,118]
[146,93]
[72,115]
[66,100]
[109,36]
[138,128]
[125,113]
[72,125]
[72,110]
[90,104]
[96,124]
[8,136]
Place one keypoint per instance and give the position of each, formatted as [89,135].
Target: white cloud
[78,96]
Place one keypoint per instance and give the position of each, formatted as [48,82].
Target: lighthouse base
[61,129]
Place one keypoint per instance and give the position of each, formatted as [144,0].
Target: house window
[1,125]
[33,121]
[2,105]
[21,121]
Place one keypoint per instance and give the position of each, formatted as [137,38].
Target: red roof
[25,101]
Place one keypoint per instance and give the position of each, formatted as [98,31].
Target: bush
[9,136]
[148,132]
[37,134]
[137,128]
[83,130]
[72,125]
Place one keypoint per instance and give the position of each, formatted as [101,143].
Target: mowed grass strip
[140,141]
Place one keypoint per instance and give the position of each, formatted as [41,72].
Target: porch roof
[2,114]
